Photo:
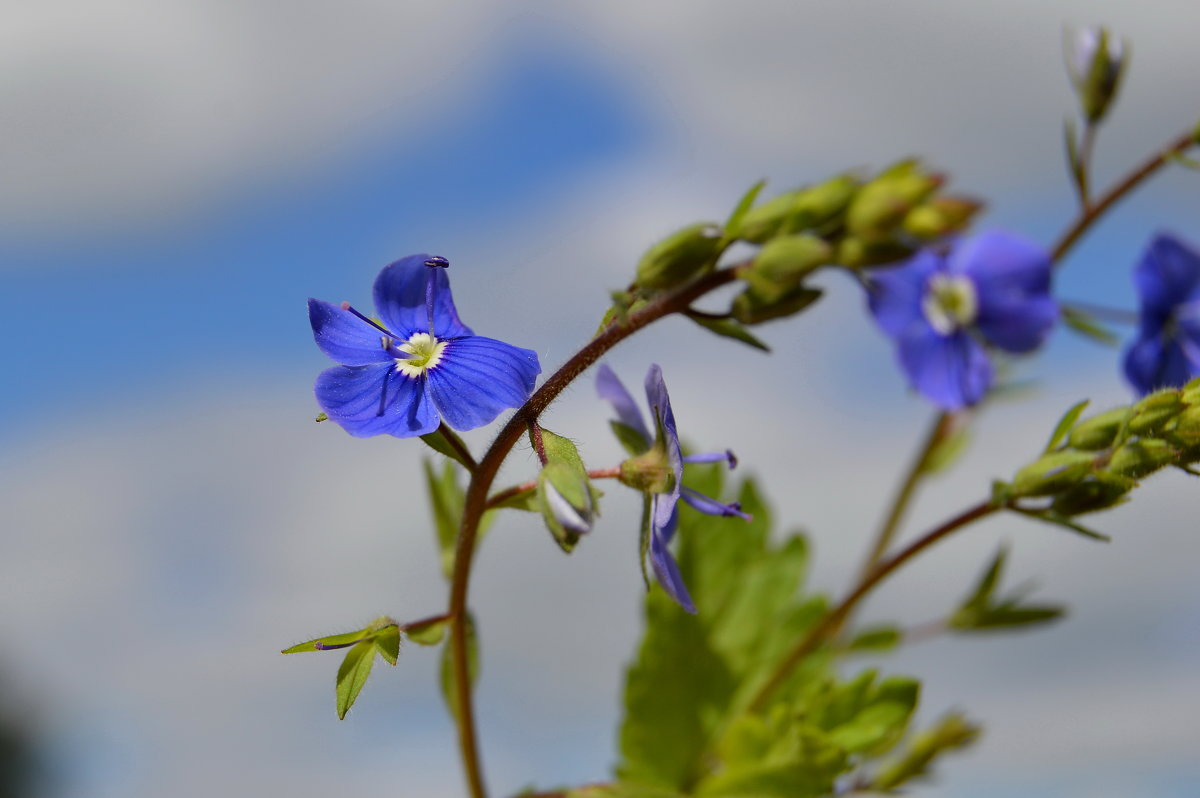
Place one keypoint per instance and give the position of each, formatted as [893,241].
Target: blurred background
[177,178]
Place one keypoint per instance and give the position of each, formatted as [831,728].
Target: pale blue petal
[667,571]
[895,294]
[352,397]
[400,299]
[344,337]
[951,371]
[610,388]
[478,378]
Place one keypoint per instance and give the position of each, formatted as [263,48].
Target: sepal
[565,495]
[680,256]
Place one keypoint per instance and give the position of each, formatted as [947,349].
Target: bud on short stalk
[1141,458]
[797,211]
[1096,60]
[1099,431]
[1052,473]
[680,256]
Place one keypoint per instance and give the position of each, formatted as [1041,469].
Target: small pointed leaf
[429,634]
[734,223]
[352,675]
[449,692]
[443,440]
[729,328]
[1065,424]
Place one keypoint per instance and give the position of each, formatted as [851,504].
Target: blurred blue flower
[1166,352]
[941,308]
[664,505]
[420,364]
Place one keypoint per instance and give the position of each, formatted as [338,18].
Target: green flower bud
[784,262]
[1191,392]
[1090,496]
[855,253]
[565,495]
[1155,410]
[796,211]
[881,205]
[1099,431]
[1052,473]
[1095,62]
[1137,459]
[680,256]
[751,308]
[940,216]
[1185,428]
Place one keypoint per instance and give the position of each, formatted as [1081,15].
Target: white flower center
[426,353]
[950,302]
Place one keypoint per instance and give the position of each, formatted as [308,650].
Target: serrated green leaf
[801,762]
[443,440]
[387,641]
[729,328]
[429,634]
[1063,428]
[877,639]
[446,672]
[1086,325]
[733,224]
[352,675]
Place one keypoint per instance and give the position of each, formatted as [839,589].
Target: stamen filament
[433,263]
[388,333]
[713,457]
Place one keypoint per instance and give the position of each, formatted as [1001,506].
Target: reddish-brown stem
[500,497]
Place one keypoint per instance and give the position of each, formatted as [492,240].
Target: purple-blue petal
[352,395]
[710,506]
[1017,324]
[400,299]
[660,406]
[667,571]
[1168,274]
[610,388]
[663,517]
[344,337]
[895,293]
[1011,276]
[951,371]
[477,378]
[1155,361]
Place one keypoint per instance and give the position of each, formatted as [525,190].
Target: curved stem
[1091,212]
[483,476]
[829,624]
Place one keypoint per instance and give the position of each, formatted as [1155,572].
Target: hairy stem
[499,497]
[832,620]
[476,503]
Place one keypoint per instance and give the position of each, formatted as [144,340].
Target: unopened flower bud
[940,216]
[1090,496]
[1052,473]
[881,205]
[1137,459]
[680,256]
[1190,392]
[751,308]
[1095,62]
[1185,428]
[855,253]
[565,499]
[1099,431]
[797,211]
[1155,410]
[784,262]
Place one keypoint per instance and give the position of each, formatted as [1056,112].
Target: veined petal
[352,397]
[895,294]
[1017,324]
[667,571]
[660,406]
[400,299]
[663,519]
[609,387]
[344,337]
[1167,275]
[710,506]
[951,371]
[1154,362]
[477,378]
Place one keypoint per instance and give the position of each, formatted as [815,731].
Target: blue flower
[420,364]
[1166,352]
[941,308]
[664,505]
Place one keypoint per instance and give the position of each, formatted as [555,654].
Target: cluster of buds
[1100,459]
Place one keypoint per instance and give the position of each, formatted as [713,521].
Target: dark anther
[438,260]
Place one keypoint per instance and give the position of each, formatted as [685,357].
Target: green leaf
[729,328]
[951,733]
[429,634]
[981,611]
[1066,523]
[446,673]
[1063,428]
[985,588]
[793,760]
[621,790]
[1086,325]
[1183,160]
[443,440]
[525,500]
[387,641]
[352,675]
[734,223]
[344,640]
[878,639]
[446,500]
[631,440]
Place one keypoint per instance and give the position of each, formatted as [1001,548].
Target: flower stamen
[950,302]
[420,353]
[436,262]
